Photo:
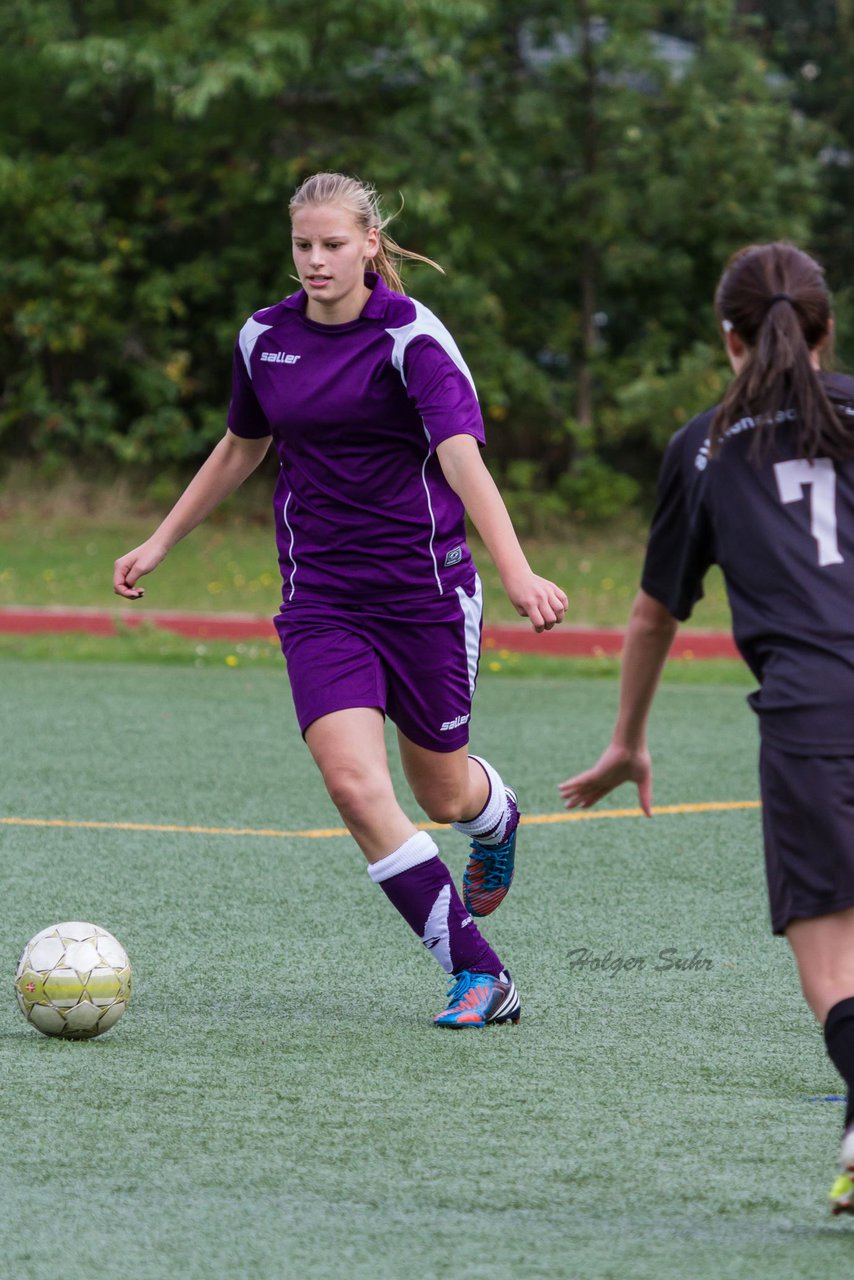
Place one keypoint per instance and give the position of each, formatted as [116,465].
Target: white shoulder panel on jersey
[249,335]
[427,325]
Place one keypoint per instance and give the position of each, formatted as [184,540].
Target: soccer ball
[73,981]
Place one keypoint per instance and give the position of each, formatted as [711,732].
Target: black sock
[839,1039]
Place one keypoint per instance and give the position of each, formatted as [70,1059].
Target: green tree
[813,44]
[582,169]
[149,154]
[639,162]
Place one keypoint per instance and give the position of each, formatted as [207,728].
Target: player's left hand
[538,600]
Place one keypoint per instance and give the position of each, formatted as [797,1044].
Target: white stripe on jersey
[432,517]
[427,325]
[291,547]
[472,607]
[249,335]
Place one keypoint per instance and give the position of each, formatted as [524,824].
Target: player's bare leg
[824,950]
[450,786]
[349,749]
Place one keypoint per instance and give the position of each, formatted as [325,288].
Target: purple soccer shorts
[414,660]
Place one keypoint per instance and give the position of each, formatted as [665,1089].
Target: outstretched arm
[648,639]
[532,596]
[231,461]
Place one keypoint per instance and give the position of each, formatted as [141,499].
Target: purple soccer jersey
[356,412]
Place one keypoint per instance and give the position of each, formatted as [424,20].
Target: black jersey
[782,531]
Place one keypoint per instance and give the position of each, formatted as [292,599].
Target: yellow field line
[322,833]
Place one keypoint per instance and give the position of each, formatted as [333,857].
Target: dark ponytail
[775,299]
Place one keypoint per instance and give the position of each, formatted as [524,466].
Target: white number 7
[792,478]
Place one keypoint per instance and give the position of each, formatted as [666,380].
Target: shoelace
[498,869]
[461,984]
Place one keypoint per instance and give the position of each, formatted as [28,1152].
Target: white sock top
[417,849]
[490,817]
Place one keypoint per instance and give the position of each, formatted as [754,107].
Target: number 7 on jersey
[819,477]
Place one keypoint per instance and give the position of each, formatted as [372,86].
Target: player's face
[330,252]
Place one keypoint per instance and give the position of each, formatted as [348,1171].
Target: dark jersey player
[763,485]
[378,431]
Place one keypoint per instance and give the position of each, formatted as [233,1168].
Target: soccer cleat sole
[480,907]
[511,1019]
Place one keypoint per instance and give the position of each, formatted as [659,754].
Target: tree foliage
[582,170]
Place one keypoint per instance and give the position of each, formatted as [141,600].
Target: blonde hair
[361,200]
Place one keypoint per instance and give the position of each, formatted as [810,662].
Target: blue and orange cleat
[489,873]
[480,1000]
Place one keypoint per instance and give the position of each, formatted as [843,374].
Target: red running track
[562,641]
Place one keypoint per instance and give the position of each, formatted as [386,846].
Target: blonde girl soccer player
[763,485]
[375,420]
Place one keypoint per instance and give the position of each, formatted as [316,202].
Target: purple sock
[419,885]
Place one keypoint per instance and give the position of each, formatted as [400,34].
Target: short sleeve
[442,392]
[245,415]
[680,549]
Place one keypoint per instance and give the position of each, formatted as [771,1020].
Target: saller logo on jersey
[279,357]
[453,557]
[453,724]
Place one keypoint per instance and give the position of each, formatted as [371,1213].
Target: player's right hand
[540,601]
[615,766]
[130,567]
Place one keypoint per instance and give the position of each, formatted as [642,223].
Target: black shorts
[808,824]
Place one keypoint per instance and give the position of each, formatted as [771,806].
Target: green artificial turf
[276,1102]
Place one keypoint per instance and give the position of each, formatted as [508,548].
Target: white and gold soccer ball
[73,981]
